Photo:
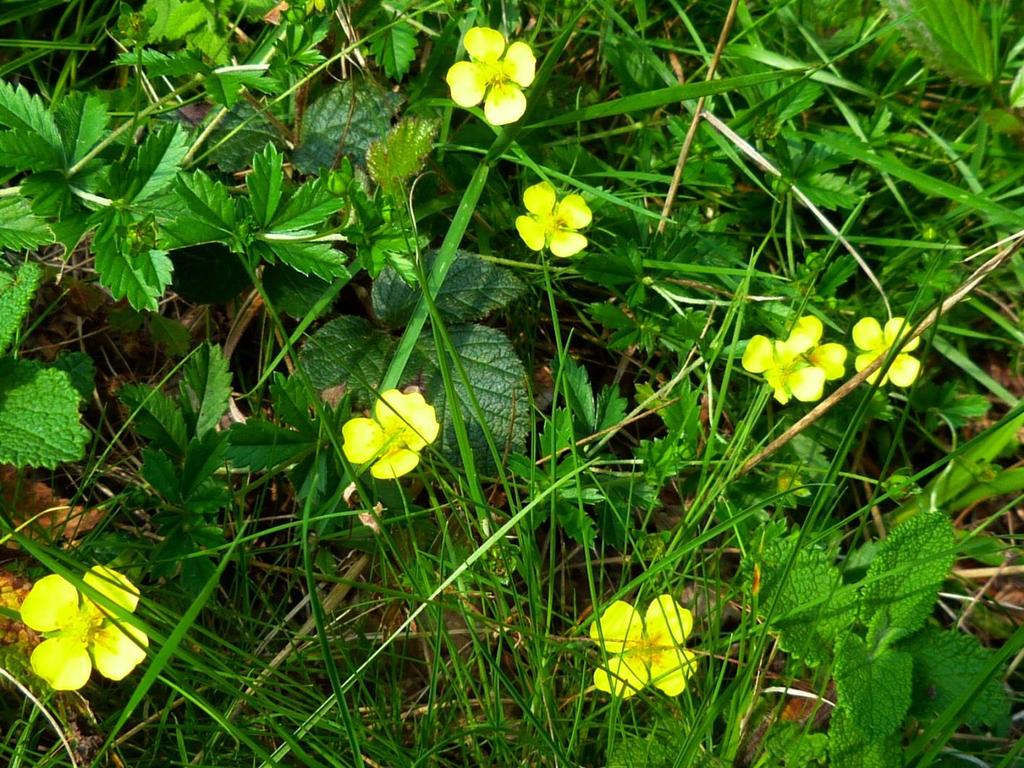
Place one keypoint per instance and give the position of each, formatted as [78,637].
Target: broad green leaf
[343,121]
[213,212]
[205,389]
[80,370]
[309,207]
[155,416]
[141,278]
[24,150]
[394,48]
[264,184]
[950,35]
[174,19]
[320,259]
[905,576]
[401,154]
[158,159]
[949,667]
[39,424]
[472,289]
[20,229]
[259,445]
[82,121]
[848,747]
[873,687]
[350,351]
[21,109]
[17,287]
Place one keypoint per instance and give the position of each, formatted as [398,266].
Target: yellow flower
[644,650]
[489,77]
[401,427]
[876,342]
[81,633]
[553,223]
[799,366]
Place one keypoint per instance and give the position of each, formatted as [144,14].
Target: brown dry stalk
[972,282]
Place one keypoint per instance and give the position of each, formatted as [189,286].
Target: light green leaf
[21,109]
[173,19]
[394,48]
[309,207]
[320,259]
[24,150]
[213,210]
[1017,90]
[158,64]
[873,687]
[141,278]
[20,229]
[205,389]
[82,121]
[17,287]
[472,289]
[39,425]
[225,86]
[904,577]
[950,35]
[401,154]
[264,184]
[848,747]
[156,163]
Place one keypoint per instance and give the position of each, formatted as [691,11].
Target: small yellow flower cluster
[401,427]
[553,223]
[644,649]
[80,633]
[798,366]
[875,342]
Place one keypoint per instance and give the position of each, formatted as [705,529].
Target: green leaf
[20,229]
[792,746]
[264,184]
[309,207]
[259,445]
[579,395]
[291,292]
[808,605]
[203,456]
[81,121]
[80,370]
[205,389]
[140,278]
[949,668]
[848,747]
[873,687]
[348,350]
[173,19]
[17,287]
[225,86]
[39,425]
[156,416]
[21,109]
[23,150]
[343,121]
[155,164]
[394,48]
[160,472]
[320,259]
[213,210]
[472,289]
[905,576]
[950,35]
[159,64]
[1017,90]
[241,134]
[401,154]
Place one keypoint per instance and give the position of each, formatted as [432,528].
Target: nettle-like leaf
[809,607]
[401,154]
[950,35]
[17,287]
[873,686]
[39,424]
[905,576]
[848,747]
[20,229]
[472,289]
[951,669]
[351,351]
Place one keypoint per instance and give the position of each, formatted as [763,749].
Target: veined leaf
[320,259]
[158,64]
[156,417]
[24,150]
[205,389]
[141,278]
[400,155]
[308,207]
[873,687]
[264,184]
[21,109]
[950,35]
[259,445]
[157,161]
[17,287]
[20,229]
[394,48]
[213,212]
[82,121]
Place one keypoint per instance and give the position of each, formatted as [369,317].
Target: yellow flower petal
[62,662]
[51,604]
[805,334]
[777,382]
[897,328]
[362,439]
[623,676]
[867,335]
[520,64]
[407,416]
[565,243]
[394,464]
[539,199]
[118,652]
[114,586]
[484,44]
[504,104]
[863,361]
[671,669]
[904,370]
[468,83]
[831,358]
[574,213]
[667,623]
[807,384]
[759,355]
[619,626]
[532,232]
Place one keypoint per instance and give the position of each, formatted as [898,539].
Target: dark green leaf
[155,416]
[80,370]
[848,747]
[158,159]
[950,35]
[20,229]
[17,288]
[259,445]
[161,473]
[203,456]
[205,389]
[22,150]
[264,184]
[394,48]
[290,291]
[320,259]
[348,350]
[873,687]
[213,210]
[140,278]
[208,273]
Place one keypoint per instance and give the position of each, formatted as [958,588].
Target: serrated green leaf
[950,35]
[905,576]
[320,259]
[155,164]
[23,150]
[849,748]
[161,473]
[203,456]
[792,746]
[213,210]
[293,404]
[81,121]
[308,207]
[948,666]
[472,289]
[394,48]
[574,383]
[264,184]
[21,109]
[158,64]
[80,370]
[39,424]
[259,445]
[343,121]
[205,389]
[174,19]
[348,350]
[17,287]
[225,86]
[401,154]
[873,687]
[20,229]
[141,278]
[155,416]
